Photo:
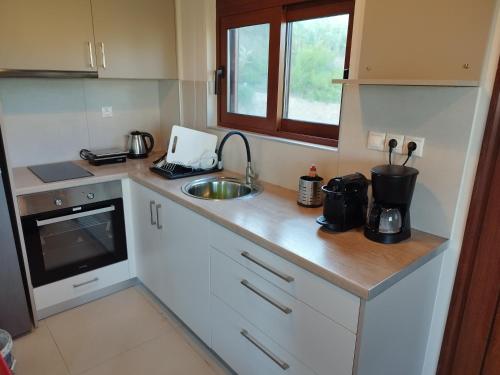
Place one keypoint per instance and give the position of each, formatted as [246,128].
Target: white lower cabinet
[172,257]
[264,315]
[188,267]
[318,342]
[246,349]
[151,254]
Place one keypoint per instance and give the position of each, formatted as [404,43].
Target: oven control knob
[90,195]
[58,202]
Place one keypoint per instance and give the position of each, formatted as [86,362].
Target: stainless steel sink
[214,188]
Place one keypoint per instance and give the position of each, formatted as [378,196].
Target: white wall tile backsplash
[50,120]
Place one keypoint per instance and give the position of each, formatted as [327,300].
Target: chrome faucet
[249,174]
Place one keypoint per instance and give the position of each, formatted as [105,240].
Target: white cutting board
[186,145]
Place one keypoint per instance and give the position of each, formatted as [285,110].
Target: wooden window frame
[276,13]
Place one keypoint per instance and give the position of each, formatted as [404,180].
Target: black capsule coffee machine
[345,203]
[392,188]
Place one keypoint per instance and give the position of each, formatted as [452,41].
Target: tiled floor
[125,333]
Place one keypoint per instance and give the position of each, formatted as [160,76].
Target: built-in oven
[71,231]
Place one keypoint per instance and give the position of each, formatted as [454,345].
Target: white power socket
[107,112]
[376,141]
[420,145]
[399,138]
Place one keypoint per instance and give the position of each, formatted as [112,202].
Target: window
[277,65]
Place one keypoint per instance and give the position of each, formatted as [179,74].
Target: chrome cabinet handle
[266,351]
[158,225]
[151,204]
[95,279]
[103,55]
[266,297]
[91,54]
[267,267]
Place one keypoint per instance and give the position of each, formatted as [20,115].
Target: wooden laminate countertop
[274,221]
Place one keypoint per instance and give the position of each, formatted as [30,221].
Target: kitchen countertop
[274,221]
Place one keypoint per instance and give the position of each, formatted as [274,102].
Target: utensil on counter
[310,194]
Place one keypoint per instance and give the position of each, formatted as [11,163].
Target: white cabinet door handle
[158,225]
[103,56]
[91,55]
[151,205]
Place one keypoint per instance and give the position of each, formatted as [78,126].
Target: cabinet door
[150,256]
[188,267]
[424,40]
[135,38]
[46,35]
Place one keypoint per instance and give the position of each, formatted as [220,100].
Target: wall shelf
[407,82]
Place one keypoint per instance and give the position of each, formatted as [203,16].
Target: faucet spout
[250,174]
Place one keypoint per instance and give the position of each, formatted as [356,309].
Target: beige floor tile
[92,333]
[166,355]
[37,354]
[188,336]
[157,306]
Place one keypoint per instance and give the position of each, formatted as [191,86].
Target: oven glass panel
[77,240]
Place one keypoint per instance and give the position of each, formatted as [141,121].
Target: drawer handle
[267,267]
[266,297]
[264,350]
[95,279]
[158,225]
[151,205]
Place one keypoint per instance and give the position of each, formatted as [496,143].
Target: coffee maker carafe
[389,217]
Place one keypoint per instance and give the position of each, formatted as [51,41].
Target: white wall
[452,255]
[450,118]
[443,115]
[50,120]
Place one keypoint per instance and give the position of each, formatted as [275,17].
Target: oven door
[74,240]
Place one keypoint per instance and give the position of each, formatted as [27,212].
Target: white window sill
[276,139]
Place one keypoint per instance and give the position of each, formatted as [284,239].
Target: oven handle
[59,219]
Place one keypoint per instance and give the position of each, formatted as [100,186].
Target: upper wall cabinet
[425,41]
[135,38]
[46,35]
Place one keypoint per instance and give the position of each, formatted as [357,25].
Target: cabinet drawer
[318,342]
[79,285]
[244,347]
[332,301]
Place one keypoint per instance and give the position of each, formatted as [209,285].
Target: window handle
[219,74]
[346,73]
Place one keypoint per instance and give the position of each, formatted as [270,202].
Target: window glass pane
[248,60]
[316,55]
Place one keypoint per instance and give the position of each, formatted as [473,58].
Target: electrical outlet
[107,111]
[399,138]
[376,141]
[420,145]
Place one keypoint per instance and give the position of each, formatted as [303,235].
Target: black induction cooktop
[59,171]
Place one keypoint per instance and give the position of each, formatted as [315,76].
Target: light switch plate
[399,138]
[376,141]
[420,145]
[107,112]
